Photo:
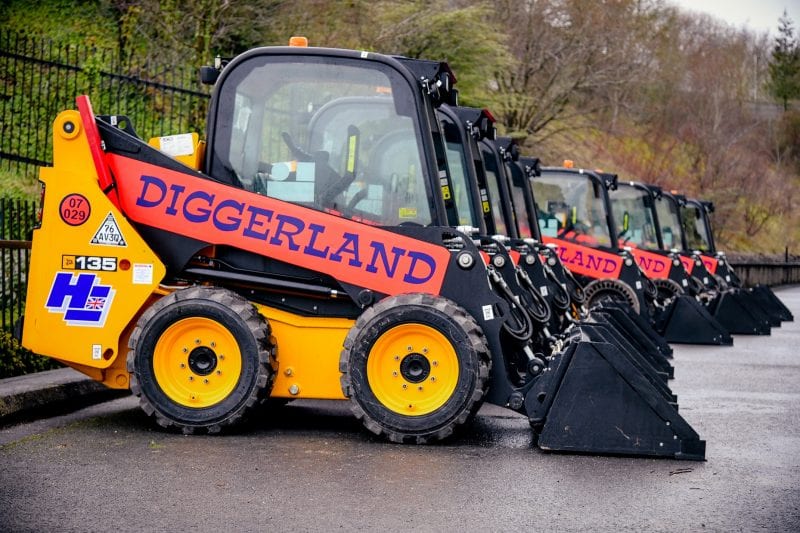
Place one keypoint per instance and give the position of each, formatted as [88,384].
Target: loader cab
[522,208]
[668,212]
[328,130]
[633,207]
[462,127]
[695,226]
[572,205]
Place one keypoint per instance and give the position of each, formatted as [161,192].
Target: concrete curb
[50,393]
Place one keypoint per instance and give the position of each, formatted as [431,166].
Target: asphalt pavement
[311,467]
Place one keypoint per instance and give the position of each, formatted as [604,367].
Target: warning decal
[109,233]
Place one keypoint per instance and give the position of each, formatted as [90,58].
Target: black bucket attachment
[592,399]
[761,315]
[736,316]
[771,303]
[613,335]
[634,325]
[644,364]
[686,321]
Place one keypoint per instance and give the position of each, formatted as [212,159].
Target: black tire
[611,289]
[201,359]
[667,289]
[381,368]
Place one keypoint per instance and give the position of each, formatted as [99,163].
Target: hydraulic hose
[540,309]
[519,324]
[560,294]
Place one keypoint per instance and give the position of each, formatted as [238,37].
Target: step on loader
[303,254]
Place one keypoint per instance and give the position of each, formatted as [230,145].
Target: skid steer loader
[634,204]
[303,254]
[575,214]
[482,179]
[697,219]
[730,307]
[517,205]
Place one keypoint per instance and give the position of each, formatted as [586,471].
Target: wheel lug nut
[183,365]
[191,378]
[419,388]
[405,386]
[185,350]
[433,378]
[219,372]
[213,344]
[206,381]
[197,341]
[394,373]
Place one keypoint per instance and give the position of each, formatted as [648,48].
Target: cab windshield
[458,165]
[695,228]
[669,220]
[570,206]
[520,208]
[327,133]
[492,184]
[633,213]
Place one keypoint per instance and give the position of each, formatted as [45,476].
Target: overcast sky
[758,15]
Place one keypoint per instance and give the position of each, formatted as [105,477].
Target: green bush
[16,360]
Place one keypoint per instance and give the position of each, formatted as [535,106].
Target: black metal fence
[40,77]
[17,219]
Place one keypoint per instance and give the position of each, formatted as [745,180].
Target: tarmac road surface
[311,467]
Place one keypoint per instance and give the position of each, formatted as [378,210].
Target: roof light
[569,163]
[298,41]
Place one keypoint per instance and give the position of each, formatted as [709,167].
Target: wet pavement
[311,467]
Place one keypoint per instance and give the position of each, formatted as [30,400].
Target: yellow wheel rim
[412,369]
[197,362]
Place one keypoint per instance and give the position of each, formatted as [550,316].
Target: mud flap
[735,316]
[771,303]
[593,400]
[689,322]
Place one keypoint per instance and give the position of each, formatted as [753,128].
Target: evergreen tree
[784,67]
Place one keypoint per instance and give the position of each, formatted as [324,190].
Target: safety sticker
[81,298]
[109,234]
[97,351]
[543,290]
[407,212]
[175,145]
[488,312]
[142,273]
[74,209]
